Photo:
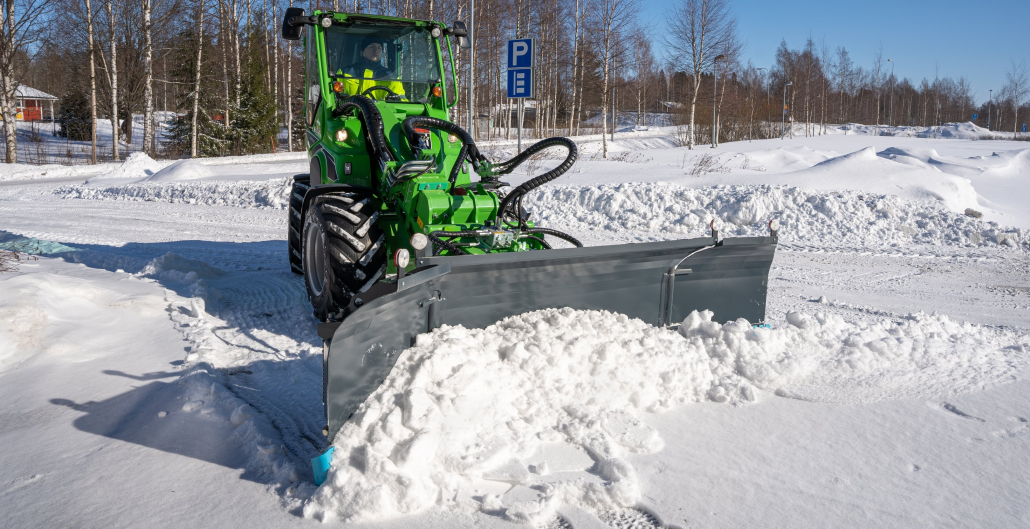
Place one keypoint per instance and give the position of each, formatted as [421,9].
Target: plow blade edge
[649,281]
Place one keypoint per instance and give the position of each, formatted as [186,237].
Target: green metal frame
[424,204]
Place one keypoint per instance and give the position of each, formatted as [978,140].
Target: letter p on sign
[520,53]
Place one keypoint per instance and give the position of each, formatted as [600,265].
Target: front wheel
[343,250]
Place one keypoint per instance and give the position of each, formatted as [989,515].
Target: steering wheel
[380,87]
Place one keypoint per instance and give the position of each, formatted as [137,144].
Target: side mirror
[460,30]
[292,27]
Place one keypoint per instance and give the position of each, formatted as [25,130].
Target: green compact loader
[403,225]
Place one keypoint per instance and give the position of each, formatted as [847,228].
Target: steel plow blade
[659,283]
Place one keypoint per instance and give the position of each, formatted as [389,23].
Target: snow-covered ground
[159,365]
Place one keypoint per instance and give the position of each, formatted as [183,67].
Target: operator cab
[395,63]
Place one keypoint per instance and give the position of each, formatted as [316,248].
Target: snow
[463,403]
[160,354]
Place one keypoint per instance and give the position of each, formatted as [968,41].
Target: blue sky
[975,39]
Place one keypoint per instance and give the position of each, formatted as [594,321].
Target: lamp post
[891,124]
[715,98]
[783,117]
[989,100]
[472,67]
[766,94]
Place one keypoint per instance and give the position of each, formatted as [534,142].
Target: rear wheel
[343,249]
[296,222]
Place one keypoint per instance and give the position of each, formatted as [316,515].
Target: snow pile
[465,407]
[274,194]
[137,165]
[181,170]
[845,218]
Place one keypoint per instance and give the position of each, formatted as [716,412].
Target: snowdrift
[807,217]
[239,193]
[549,404]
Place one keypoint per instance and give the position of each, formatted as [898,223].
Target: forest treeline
[219,76]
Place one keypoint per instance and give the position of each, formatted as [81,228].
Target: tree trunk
[148,82]
[693,108]
[92,83]
[289,93]
[114,83]
[196,83]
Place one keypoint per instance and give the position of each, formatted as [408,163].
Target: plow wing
[659,283]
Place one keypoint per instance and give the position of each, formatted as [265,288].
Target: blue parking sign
[520,53]
[520,83]
[974,117]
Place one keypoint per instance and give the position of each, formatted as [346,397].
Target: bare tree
[92,82]
[1018,85]
[112,71]
[612,15]
[19,30]
[698,29]
[844,69]
[148,80]
[196,83]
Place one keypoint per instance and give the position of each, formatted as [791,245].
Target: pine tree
[75,116]
[211,135]
[254,119]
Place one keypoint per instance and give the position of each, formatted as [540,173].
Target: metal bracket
[418,278]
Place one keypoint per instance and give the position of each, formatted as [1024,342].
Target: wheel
[343,249]
[296,222]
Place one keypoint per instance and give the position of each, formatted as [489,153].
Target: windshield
[401,59]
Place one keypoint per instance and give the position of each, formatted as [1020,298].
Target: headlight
[452,138]
[327,21]
[341,135]
[435,33]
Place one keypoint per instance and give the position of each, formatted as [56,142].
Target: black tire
[343,249]
[296,222]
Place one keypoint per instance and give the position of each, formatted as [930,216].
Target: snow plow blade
[649,281]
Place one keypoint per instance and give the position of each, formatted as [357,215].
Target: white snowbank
[180,170]
[242,193]
[137,165]
[807,217]
[466,407]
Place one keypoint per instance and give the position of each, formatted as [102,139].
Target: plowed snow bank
[845,218]
[247,194]
[465,407]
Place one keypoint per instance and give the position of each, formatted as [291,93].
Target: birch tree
[612,15]
[196,83]
[112,71]
[1018,85]
[92,83]
[698,28]
[148,80]
[19,30]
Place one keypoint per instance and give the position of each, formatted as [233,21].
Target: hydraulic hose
[541,241]
[548,231]
[537,181]
[453,178]
[440,243]
[373,124]
[411,122]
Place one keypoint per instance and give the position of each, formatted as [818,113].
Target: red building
[34,105]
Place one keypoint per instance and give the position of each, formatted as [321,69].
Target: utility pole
[472,68]
[761,78]
[989,101]
[783,117]
[715,98]
[892,93]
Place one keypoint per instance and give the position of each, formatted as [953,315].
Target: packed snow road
[890,389]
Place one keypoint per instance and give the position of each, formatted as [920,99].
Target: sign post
[520,75]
